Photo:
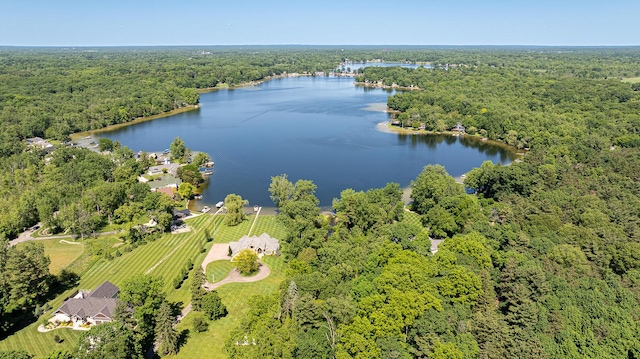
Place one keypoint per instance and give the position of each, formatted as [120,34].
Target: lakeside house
[166,180]
[262,245]
[171,168]
[89,307]
[458,128]
[168,191]
[39,143]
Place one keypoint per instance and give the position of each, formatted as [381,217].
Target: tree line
[539,261]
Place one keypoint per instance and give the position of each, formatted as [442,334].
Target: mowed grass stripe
[270,225]
[235,296]
[40,344]
[144,257]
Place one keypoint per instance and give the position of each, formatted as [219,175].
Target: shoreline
[79,135]
[387,87]
[386,127]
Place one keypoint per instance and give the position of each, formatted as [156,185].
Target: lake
[317,128]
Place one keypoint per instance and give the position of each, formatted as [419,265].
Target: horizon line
[321,45]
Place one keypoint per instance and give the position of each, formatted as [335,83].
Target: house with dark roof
[89,307]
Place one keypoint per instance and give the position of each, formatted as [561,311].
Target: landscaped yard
[235,296]
[164,257]
[217,270]
[61,254]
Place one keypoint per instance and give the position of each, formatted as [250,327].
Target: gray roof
[171,168]
[105,290]
[164,181]
[263,242]
[89,307]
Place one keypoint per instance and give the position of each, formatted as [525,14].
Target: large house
[171,168]
[93,307]
[39,143]
[262,245]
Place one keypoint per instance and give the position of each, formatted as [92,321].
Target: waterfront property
[171,168]
[458,128]
[262,245]
[166,180]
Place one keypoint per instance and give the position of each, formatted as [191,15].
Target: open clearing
[61,254]
[631,79]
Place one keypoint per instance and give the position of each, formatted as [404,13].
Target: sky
[329,22]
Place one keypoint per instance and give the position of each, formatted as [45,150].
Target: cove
[316,128]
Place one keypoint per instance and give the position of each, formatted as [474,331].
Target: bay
[317,128]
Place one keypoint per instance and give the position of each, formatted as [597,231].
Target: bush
[200,325]
[57,339]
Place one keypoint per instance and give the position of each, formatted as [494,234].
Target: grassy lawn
[218,270]
[61,254]
[631,79]
[235,296]
[164,258]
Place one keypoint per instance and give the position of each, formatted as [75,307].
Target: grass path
[179,246]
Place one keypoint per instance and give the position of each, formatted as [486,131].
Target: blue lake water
[313,128]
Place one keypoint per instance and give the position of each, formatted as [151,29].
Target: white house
[262,245]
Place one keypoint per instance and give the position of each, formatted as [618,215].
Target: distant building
[458,128]
[166,180]
[171,168]
[167,190]
[39,143]
[262,245]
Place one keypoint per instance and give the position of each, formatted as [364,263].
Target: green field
[235,296]
[631,79]
[163,257]
[61,254]
[217,270]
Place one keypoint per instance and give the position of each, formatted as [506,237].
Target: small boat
[197,196]
[219,204]
[256,208]
[205,209]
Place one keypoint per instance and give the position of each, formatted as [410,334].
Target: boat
[219,204]
[197,196]
[256,208]
[205,209]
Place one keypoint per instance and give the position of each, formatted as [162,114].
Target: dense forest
[540,260]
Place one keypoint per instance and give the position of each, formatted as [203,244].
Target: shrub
[200,325]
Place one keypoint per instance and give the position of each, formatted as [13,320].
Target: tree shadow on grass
[182,338]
